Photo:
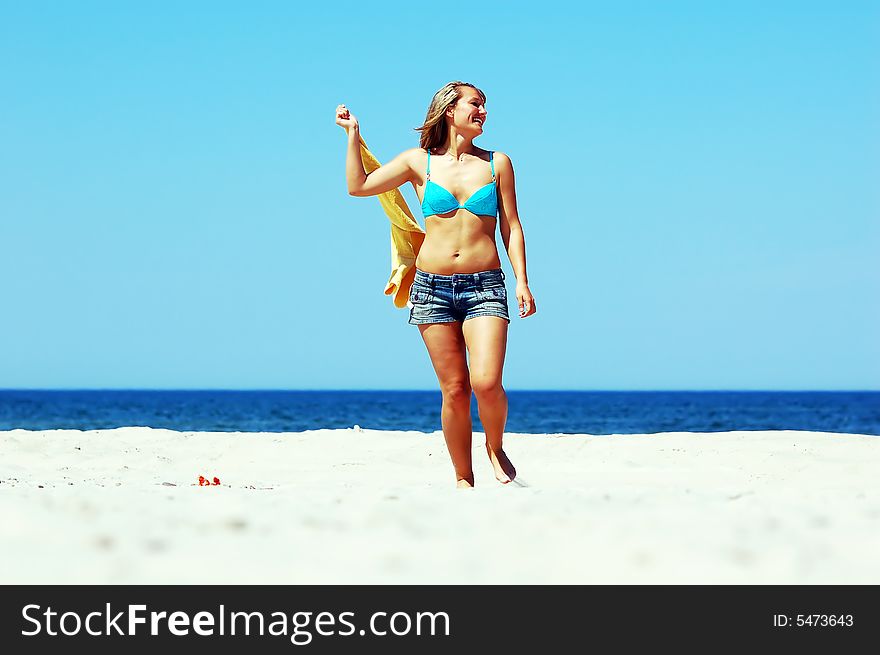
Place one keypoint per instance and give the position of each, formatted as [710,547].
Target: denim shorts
[458,297]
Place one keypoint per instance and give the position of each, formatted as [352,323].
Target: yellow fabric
[407,236]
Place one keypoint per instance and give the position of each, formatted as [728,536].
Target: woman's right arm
[385,178]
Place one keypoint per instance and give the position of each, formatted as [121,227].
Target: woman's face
[469,113]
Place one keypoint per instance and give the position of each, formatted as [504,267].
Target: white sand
[346,506]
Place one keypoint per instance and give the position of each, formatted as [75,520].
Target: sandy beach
[124,506]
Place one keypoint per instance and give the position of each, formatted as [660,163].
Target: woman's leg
[486,340]
[446,347]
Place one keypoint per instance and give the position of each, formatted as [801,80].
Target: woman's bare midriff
[459,243]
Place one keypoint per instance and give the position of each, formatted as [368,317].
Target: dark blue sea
[554,412]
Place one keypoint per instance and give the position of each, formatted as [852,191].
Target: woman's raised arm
[385,178]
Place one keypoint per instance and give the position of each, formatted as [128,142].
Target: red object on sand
[216,480]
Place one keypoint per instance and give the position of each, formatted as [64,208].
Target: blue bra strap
[429,165]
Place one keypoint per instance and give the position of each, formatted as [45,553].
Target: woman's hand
[525,299]
[345,118]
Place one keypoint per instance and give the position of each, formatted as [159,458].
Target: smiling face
[469,113]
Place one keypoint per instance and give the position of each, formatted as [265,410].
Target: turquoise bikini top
[437,200]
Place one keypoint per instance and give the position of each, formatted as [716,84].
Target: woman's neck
[458,145]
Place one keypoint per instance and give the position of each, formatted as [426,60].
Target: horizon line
[286,390]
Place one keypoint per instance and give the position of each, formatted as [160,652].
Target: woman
[459,301]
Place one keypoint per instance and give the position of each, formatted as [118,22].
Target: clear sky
[697,183]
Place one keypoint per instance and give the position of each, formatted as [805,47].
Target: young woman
[459,299]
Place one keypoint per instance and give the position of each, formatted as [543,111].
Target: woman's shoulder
[495,155]
[409,158]
[502,161]
[415,155]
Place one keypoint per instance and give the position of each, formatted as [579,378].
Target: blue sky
[696,182]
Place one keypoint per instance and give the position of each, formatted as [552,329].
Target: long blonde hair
[435,131]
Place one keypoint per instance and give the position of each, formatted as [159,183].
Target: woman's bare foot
[504,470]
[465,483]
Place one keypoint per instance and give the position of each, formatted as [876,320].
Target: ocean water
[554,412]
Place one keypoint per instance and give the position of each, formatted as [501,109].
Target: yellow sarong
[407,235]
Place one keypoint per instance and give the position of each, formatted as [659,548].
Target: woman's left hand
[525,299]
